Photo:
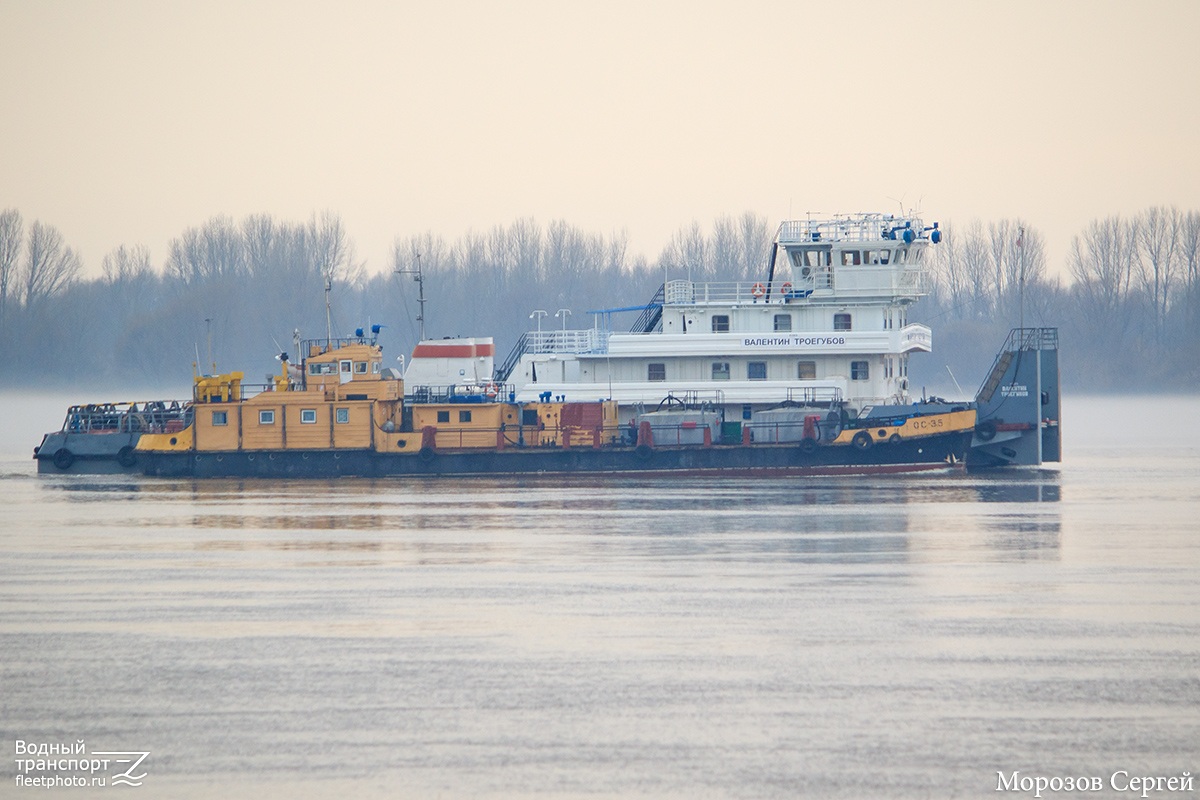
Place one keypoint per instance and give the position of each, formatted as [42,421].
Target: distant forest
[1129,316]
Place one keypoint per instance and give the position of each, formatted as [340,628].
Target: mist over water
[570,637]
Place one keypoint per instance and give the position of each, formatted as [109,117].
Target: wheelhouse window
[308,416]
[812,257]
[783,322]
[443,416]
[322,369]
[375,367]
[841,322]
[656,372]
[360,368]
[720,371]
[266,418]
[756,371]
[860,371]
[345,366]
[343,416]
[220,418]
[806,370]
[720,323]
[851,258]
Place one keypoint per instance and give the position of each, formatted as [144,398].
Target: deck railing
[851,228]
[154,416]
[828,284]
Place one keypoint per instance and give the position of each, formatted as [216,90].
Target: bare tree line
[1129,316]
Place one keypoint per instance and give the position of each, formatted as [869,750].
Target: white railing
[836,282]
[850,228]
[588,340]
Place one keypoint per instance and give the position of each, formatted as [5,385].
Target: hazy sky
[127,122]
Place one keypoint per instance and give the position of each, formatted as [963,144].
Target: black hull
[937,452]
[89,453]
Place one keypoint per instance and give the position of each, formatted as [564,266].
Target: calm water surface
[568,637]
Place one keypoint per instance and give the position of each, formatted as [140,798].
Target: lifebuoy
[491,390]
[862,440]
[758,290]
[786,289]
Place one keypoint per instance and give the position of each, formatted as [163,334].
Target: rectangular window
[720,371]
[375,367]
[860,371]
[656,372]
[220,418]
[443,416]
[266,418]
[308,416]
[851,258]
[806,370]
[464,416]
[783,322]
[360,367]
[343,416]
[720,323]
[756,371]
[346,366]
[841,322]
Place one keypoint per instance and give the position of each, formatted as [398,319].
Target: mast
[419,277]
[328,319]
[1021,280]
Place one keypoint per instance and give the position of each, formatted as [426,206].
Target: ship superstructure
[826,325]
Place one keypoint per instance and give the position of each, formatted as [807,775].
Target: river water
[903,637]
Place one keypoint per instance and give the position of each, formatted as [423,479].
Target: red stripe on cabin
[453,350]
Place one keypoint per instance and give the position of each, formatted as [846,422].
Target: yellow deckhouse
[341,398]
